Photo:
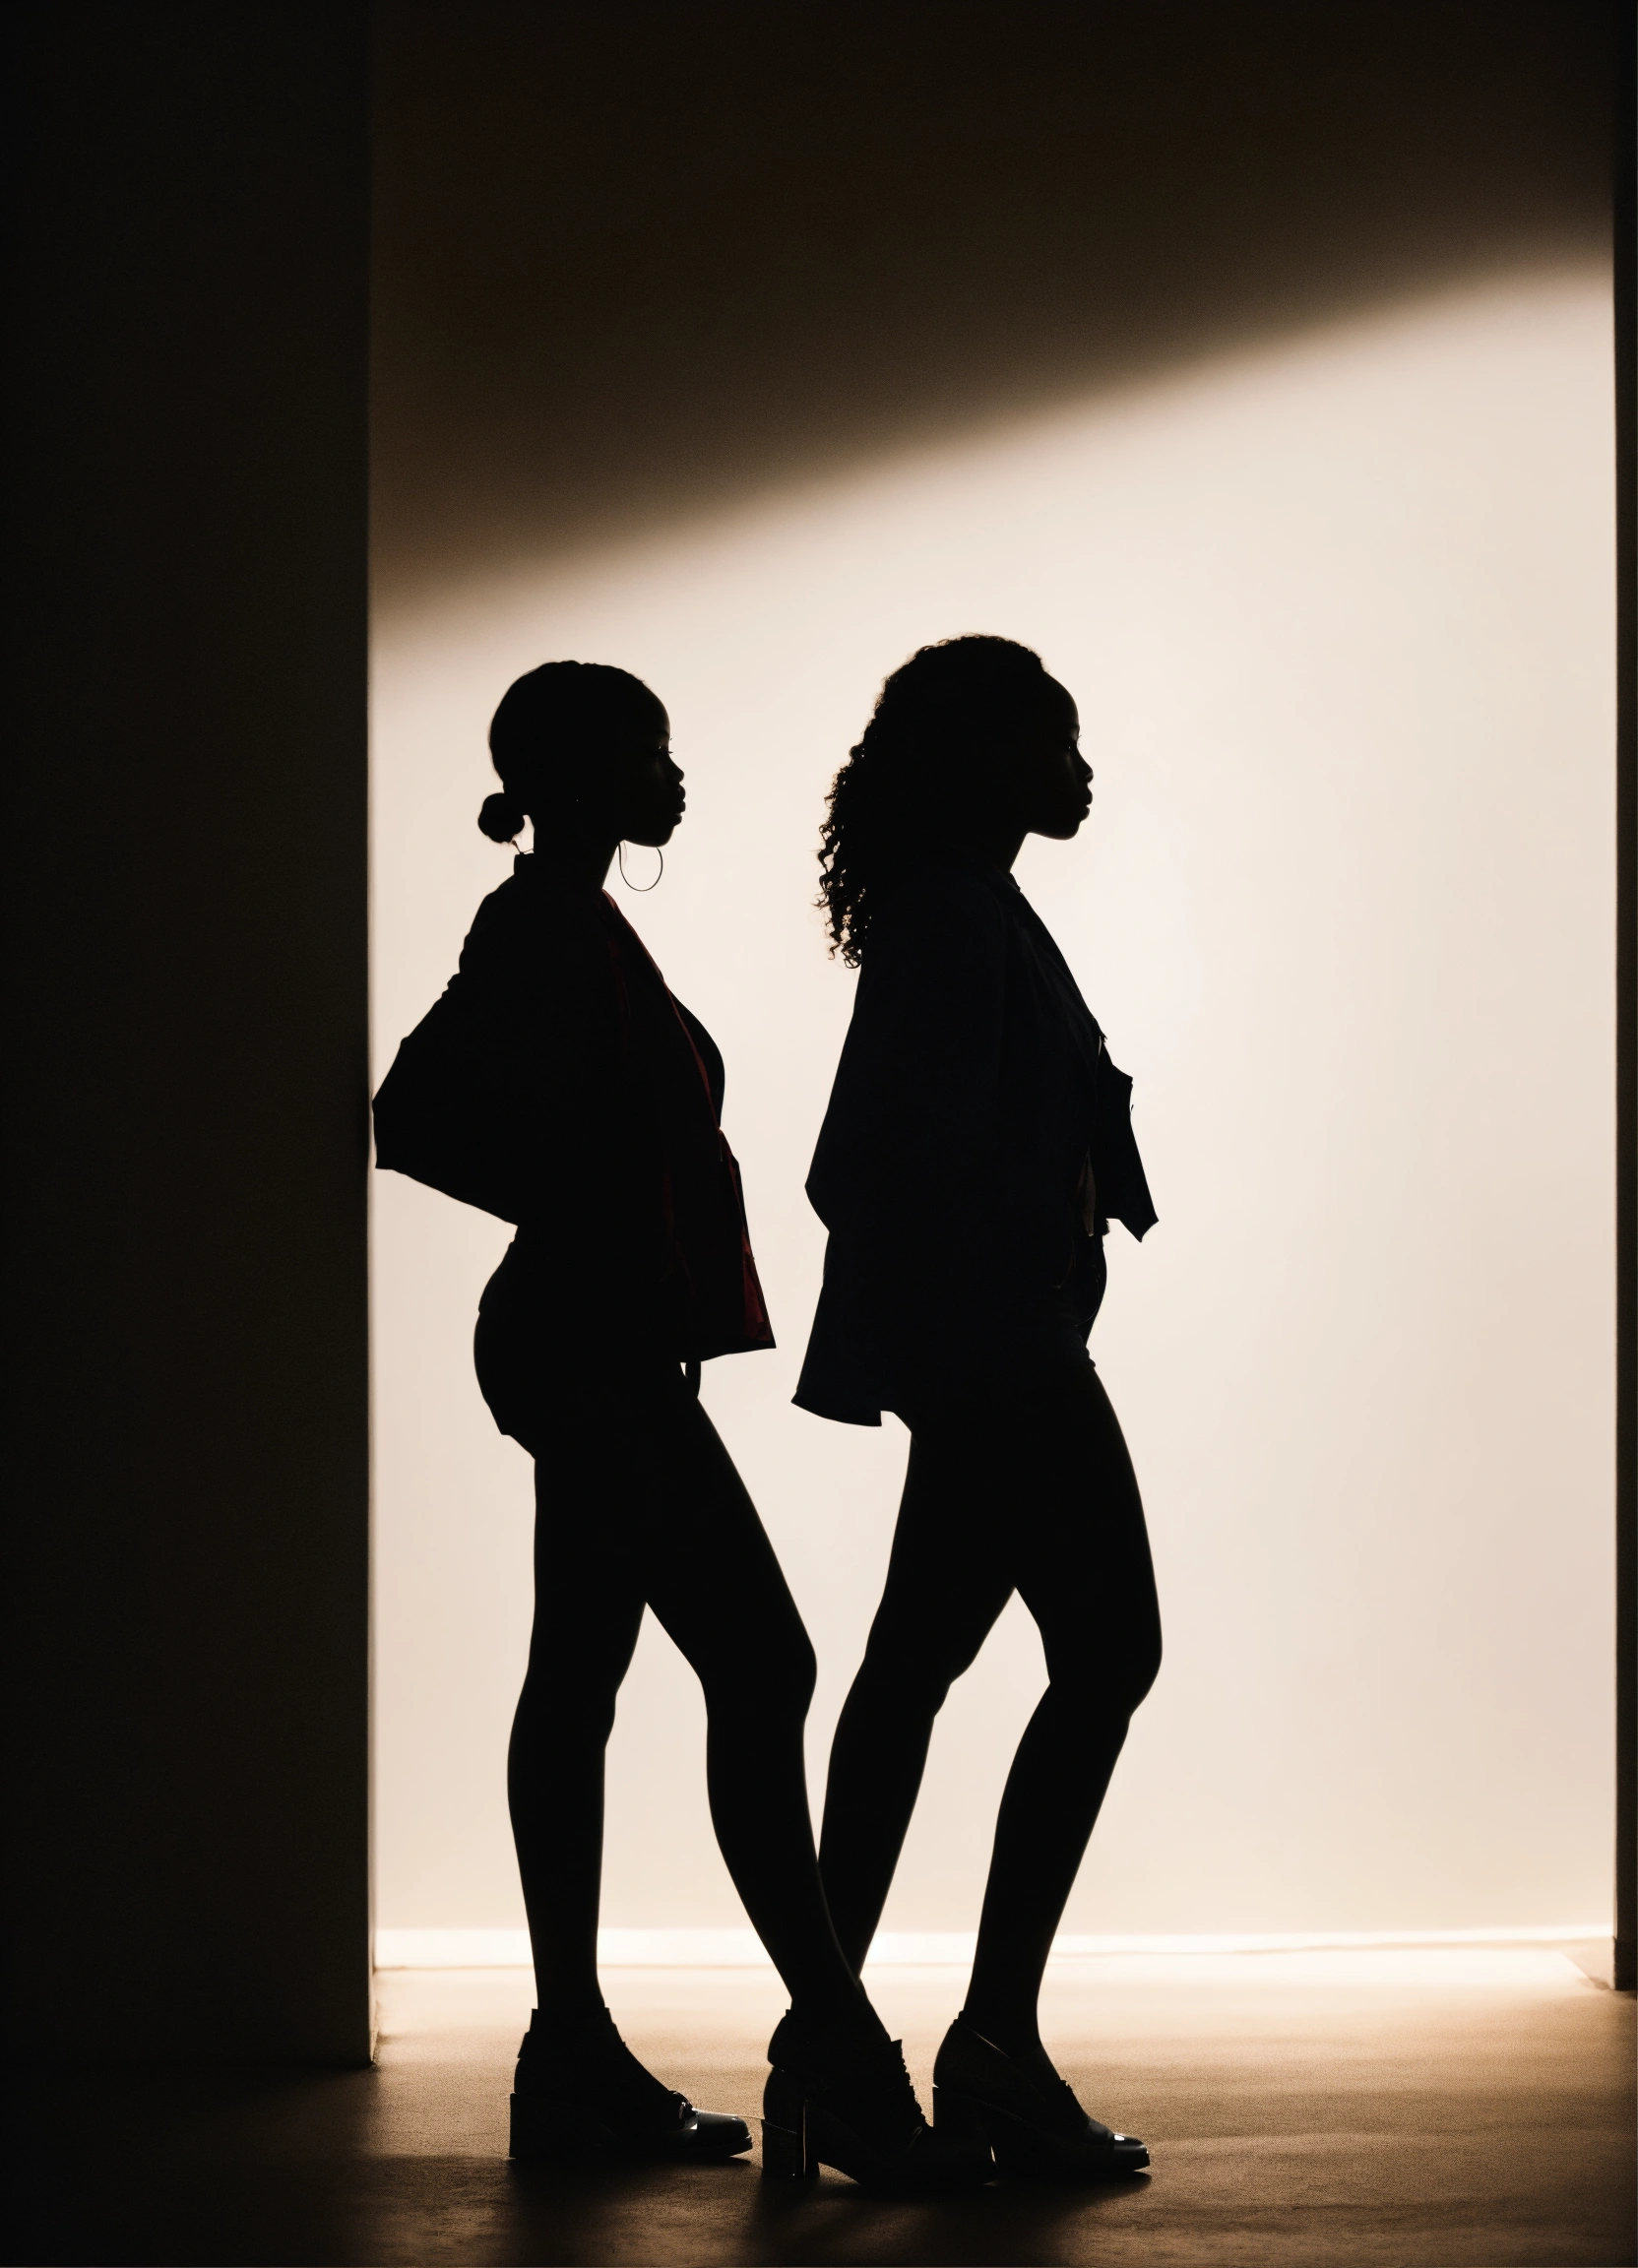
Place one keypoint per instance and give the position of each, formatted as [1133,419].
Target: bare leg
[1032,1488]
[946,1585]
[586,1612]
[713,1579]
[639,1502]
[1086,1576]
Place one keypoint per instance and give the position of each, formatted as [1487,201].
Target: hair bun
[502,819]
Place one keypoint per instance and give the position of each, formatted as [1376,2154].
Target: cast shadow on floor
[168,2170]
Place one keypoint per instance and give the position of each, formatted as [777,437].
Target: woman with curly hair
[977,1146]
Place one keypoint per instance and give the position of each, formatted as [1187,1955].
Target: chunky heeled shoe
[857,2114]
[580,2093]
[1027,2115]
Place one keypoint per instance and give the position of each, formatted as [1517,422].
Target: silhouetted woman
[977,1146]
[559,1085]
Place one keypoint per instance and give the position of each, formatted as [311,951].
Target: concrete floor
[1418,2110]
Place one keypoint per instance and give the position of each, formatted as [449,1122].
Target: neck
[580,860]
[996,846]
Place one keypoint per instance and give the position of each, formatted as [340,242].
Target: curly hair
[932,757]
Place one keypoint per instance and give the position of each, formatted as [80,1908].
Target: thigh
[949,1574]
[1080,1544]
[588,1577]
[704,1561]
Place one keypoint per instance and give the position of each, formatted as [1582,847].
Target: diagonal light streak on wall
[1339,617]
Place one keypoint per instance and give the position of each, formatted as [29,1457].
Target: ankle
[1014,2034]
[568,2020]
[841,2026]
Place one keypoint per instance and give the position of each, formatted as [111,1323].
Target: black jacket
[559,1085]
[978,1144]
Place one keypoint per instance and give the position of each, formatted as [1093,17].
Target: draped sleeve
[511,1092]
[902,1172]
[916,1104]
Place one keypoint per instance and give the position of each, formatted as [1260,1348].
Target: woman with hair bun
[978,1144]
[559,1085]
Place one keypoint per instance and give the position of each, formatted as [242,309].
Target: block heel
[860,2117]
[960,2122]
[785,2151]
[1028,2116]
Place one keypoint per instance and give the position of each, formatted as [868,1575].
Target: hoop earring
[642,888]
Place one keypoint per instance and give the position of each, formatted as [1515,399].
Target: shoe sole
[1024,2153]
[547,2133]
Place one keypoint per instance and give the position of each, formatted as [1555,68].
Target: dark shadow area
[210,2163]
[635,261]
[186,1475]
[1452,2129]
[183,2193]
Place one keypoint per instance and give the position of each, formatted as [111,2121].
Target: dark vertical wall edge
[185,1291]
[1626,988]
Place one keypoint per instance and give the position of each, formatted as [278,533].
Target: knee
[1142,1671]
[776,1679]
[913,1678]
[795,1673]
[565,1712]
[1108,1686]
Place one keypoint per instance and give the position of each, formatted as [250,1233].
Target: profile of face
[640,796]
[1052,780]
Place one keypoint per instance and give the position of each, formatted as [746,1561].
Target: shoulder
[525,924]
[941,908]
[497,926]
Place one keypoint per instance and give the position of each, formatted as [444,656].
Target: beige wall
[1339,617]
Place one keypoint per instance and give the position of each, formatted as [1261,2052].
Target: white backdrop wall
[1339,617]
